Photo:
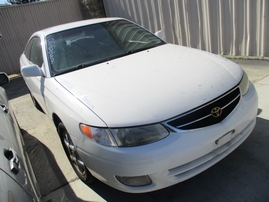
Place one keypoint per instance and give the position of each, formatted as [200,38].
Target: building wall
[224,27]
[19,22]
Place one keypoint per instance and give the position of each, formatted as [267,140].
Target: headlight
[128,137]
[244,84]
[125,137]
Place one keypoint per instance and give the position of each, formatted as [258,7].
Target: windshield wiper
[137,50]
[77,67]
[142,49]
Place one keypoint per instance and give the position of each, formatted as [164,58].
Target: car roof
[71,25]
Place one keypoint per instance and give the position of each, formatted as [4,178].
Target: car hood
[153,85]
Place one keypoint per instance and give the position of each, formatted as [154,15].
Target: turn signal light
[86,130]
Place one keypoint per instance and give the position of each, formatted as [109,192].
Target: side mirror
[3,78]
[160,34]
[31,71]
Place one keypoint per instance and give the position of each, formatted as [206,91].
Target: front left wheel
[75,160]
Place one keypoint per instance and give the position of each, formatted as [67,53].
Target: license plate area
[225,138]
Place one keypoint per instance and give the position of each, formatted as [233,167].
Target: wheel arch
[71,128]
[56,120]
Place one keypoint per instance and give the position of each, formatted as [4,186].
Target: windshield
[88,45]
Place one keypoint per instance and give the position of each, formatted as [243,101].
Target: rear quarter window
[28,48]
[33,51]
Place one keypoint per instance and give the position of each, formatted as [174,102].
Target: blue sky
[3,1]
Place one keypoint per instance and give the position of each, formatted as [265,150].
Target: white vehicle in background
[17,179]
[133,111]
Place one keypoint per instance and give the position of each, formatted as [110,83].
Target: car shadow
[16,88]
[48,174]
[241,176]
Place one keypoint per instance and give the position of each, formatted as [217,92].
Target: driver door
[33,55]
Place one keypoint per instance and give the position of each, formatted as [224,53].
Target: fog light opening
[135,181]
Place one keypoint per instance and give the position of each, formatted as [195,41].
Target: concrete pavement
[241,176]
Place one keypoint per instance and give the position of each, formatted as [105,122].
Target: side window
[36,52]
[28,48]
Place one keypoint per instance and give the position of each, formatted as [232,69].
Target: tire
[75,160]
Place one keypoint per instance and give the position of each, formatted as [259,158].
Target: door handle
[14,162]
[4,108]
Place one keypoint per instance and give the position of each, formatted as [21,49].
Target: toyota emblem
[216,112]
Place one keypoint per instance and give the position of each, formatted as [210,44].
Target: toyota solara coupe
[133,111]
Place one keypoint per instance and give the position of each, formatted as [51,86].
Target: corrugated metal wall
[17,23]
[225,27]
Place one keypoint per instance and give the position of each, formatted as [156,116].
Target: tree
[21,1]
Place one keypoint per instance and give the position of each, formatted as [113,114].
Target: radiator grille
[208,114]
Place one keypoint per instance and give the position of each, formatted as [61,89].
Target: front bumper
[178,157]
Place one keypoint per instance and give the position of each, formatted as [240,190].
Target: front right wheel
[73,156]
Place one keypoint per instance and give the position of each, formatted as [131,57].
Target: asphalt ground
[241,176]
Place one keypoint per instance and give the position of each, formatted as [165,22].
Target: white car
[133,111]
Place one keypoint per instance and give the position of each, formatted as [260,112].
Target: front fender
[69,109]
